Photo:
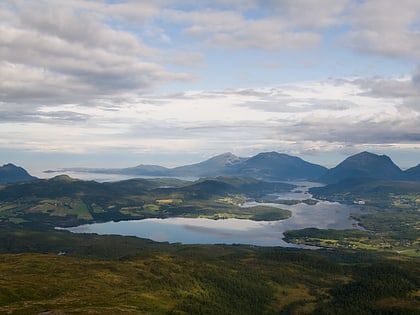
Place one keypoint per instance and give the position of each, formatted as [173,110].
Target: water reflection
[193,231]
[323,215]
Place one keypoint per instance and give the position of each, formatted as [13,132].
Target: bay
[323,215]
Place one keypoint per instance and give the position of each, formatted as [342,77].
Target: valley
[367,265]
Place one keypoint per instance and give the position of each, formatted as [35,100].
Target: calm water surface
[323,215]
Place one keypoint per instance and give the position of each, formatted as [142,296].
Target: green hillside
[390,216]
[63,201]
[64,273]
[47,271]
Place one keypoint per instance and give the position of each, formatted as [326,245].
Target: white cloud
[386,27]
[308,13]
[308,117]
[232,30]
[83,76]
[54,52]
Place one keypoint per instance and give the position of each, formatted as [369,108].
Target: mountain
[146,170]
[413,173]
[217,165]
[278,166]
[10,173]
[265,166]
[223,185]
[363,165]
[142,169]
[273,166]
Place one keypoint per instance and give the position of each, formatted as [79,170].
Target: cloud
[54,52]
[232,30]
[137,12]
[343,113]
[78,51]
[338,116]
[307,13]
[416,77]
[336,113]
[260,25]
[391,129]
[387,28]
[403,91]
[97,76]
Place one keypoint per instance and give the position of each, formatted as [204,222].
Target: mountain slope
[214,166]
[413,173]
[223,185]
[363,165]
[10,173]
[147,170]
[266,166]
[278,166]
[274,166]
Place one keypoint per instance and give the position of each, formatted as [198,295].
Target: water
[323,215]
[298,193]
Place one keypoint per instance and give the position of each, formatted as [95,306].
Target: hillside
[273,166]
[386,210]
[413,173]
[278,166]
[264,166]
[353,189]
[47,271]
[64,201]
[214,166]
[10,173]
[123,275]
[363,165]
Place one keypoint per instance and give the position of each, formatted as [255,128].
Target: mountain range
[268,166]
[10,173]
[274,166]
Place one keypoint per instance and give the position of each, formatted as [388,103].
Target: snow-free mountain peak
[364,165]
[279,166]
[10,173]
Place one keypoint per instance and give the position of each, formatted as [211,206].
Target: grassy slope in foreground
[115,275]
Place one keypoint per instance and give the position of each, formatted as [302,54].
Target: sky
[99,83]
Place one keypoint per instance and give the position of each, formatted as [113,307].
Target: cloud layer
[106,76]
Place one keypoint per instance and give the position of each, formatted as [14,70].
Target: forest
[57,272]
[371,270]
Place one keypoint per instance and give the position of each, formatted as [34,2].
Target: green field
[63,201]
[390,217]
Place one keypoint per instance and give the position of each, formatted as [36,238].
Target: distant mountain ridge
[217,165]
[278,166]
[10,173]
[274,166]
[271,166]
[364,165]
[413,173]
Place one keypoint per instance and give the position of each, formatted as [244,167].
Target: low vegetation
[63,201]
[390,216]
[371,271]
[58,272]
